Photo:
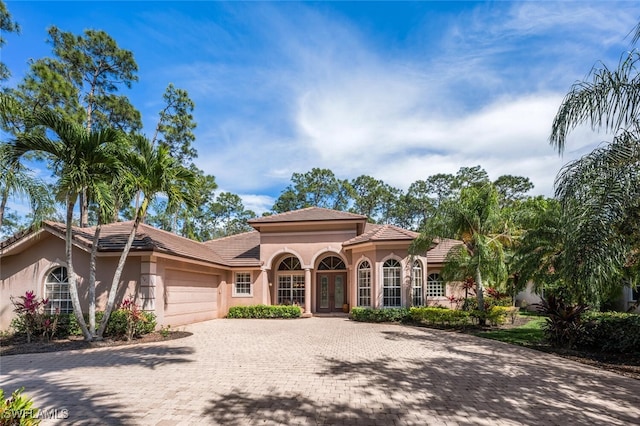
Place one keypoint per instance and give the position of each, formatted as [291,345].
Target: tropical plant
[82,161]
[600,190]
[563,326]
[473,218]
[18,410]
[80,83]
[154,171]
[33,318]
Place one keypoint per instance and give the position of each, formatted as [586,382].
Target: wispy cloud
[284,87]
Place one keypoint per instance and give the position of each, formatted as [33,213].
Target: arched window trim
[290,279]
[56,289]
[392,283]
[364,283]
[331,263]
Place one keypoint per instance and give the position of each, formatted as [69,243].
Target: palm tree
[80,159]
[154,172]
[15,178]
[598,190]
[474,218]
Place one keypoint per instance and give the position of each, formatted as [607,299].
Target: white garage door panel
[190,297]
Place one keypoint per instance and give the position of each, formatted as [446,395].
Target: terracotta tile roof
[238,250]
[373,233]
[113,237]
[307,215]
[439,253]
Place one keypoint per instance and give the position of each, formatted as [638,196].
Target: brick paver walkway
[321,371]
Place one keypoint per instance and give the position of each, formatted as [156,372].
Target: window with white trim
[56,289]
[391,297]
[417,282]
[364,284]
[435,286]
[242,284]
[290,282]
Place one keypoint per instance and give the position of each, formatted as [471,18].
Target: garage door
[190,297]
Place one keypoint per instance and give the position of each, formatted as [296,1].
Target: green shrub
[265,311]
[439,316]
[497,315]
[380,315]
[17,410]
[613,332]
[128,323]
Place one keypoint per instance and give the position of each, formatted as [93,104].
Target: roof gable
[380,233]
[309,214]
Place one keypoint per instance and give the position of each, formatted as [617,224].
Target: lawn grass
[529,334]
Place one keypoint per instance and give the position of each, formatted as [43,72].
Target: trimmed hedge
[440,316]
[265,311]
[380,315]
[613,332]
[434,316]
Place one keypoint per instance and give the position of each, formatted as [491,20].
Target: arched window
[417,282]
[290,282]
[331,263]
[391,297]
[364,284]
[56,289]
[435,286]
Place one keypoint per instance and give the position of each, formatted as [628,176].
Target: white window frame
[432,287]
[239,282]
[291,282]
[364,283]
[57,301]
[417,284]
[392,282]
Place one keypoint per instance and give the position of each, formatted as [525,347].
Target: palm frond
[609,101]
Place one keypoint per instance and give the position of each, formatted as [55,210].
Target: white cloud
[339,103]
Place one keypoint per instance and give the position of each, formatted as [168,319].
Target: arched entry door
[331,282]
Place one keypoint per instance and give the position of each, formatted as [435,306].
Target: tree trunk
[480,295]
[3,206]
[71,275]
[118,272]
[84,209]
[92,281]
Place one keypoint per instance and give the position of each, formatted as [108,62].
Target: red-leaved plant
[33,317]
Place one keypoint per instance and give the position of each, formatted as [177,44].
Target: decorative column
[265,286]
[307,291]
[148,290]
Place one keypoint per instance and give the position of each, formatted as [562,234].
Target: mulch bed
[15,345]
[624,364]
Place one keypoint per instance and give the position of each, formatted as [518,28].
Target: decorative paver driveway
[321,371]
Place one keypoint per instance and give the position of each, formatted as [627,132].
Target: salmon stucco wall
[28,270]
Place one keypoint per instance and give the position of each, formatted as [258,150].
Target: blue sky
[398,90]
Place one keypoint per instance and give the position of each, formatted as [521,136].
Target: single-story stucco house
[317,258]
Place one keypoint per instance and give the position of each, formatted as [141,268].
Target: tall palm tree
[80,159]
[154,172]
[598,190]
[475,219]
